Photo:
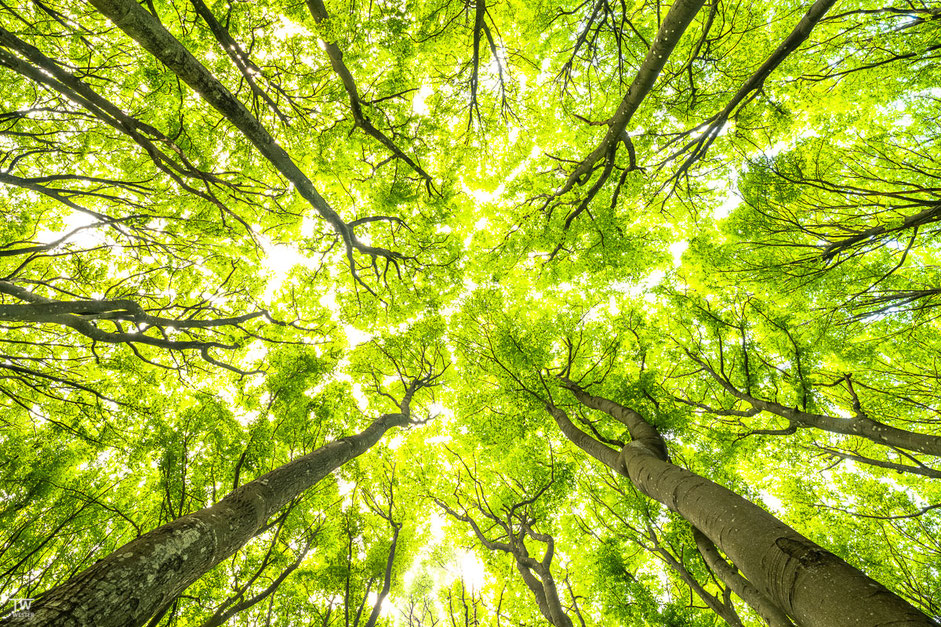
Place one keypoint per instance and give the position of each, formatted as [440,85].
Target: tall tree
[790,575]
[143,577]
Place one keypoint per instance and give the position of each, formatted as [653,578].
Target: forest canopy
[469,312]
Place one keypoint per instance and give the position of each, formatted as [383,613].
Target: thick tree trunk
[130,585]
[810,584]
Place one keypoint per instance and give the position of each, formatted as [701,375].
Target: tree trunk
[810,584]
[131,584]
[544,590]
[387,578]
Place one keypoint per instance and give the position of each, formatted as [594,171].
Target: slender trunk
[238,57]
[797,36]
[319,12]
[128,586]
[560,617]
[770,612]
[810,584]
[151,35]
[725,611]
[387,578]
[677,20]
[755,82]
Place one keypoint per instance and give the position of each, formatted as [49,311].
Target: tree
[694,240]
[514,523]
[750,537]
[144,576]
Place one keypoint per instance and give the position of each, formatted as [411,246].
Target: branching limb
[508,533]
[171,160]
[147,31]
[711,128]
[678,18]
[319,12]
[86,316]
[859,425]
[839,455]
[239,602]
[239,58]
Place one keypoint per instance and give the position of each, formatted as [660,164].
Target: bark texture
[771,613]
[543,587]
[813,586]
[133,583]
[808,583]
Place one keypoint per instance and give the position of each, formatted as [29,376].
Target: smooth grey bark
[811,585]
[67,312]
[82,316]
[544,587]
[136,581]
[859,425]
[671,30]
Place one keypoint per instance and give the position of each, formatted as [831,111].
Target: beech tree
[649,290]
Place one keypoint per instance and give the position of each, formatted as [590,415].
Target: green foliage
[795,260]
